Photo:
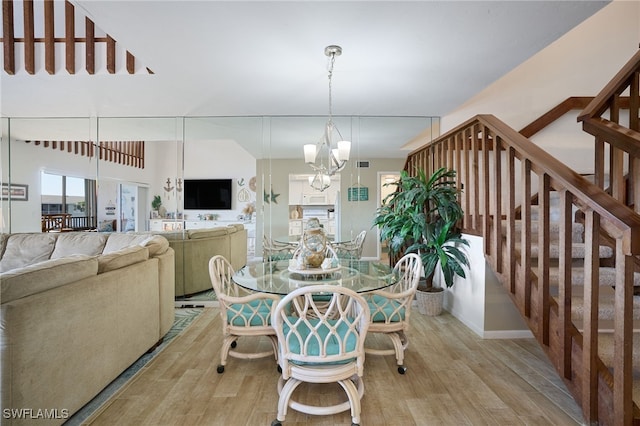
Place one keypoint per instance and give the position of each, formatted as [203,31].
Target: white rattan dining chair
[242,312]
[275,250]
[321,344]
[390,308]
[351,249]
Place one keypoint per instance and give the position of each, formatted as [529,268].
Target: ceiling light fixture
[331,153]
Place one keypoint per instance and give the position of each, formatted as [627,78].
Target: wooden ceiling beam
[8,42]
[49,42]
[70,38]
[131,63]
[90,46]
[29,37]
[8,39]
[111,55]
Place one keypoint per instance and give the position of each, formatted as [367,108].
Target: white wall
[479,300]
[578,64]
[355,215]
[221,159]
[163,159]
[28,161]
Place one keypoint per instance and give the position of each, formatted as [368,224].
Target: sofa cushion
[70,243]
[46,275]
[27,249]
[107,226]
[207,233]
[121,258]
[155,243]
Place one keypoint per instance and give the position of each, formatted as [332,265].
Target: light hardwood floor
[453,378]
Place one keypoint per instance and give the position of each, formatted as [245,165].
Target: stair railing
[617,133]
[498,169]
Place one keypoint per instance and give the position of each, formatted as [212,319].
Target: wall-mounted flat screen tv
[207,194]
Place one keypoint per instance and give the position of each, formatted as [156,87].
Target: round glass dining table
[278,277]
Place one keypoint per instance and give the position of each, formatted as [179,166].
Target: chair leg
[399,344]
[286,390]
[227,343]
[353,393]
[274,343]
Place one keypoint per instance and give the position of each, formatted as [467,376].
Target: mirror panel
[35,146]
[259,154]
[141,159]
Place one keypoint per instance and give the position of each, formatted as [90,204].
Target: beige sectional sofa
[77,309]
[195,247]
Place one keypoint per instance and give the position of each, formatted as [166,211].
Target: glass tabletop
[277,277]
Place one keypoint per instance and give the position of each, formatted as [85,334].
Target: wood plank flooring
[453,378]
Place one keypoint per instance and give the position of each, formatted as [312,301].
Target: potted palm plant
[421,217]
[156,203]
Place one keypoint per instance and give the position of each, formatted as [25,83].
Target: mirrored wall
[129,175]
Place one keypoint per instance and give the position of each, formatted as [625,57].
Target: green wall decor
[270,198]
[358,193]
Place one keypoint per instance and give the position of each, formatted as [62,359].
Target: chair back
[409,269]
[393,304]
[313,331]
[221,271]
[239,307]
[273,250]
[351,249]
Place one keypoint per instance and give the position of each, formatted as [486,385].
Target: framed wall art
[18,192]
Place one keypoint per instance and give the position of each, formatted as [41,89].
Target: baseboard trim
[196,304]
[508,334]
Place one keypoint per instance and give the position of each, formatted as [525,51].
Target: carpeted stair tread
[605,308]
[607,276]
[577,231]
[578,251]
[605,350]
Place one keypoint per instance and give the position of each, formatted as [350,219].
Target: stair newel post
[590,320]
[464,181]
[623,337]
[564,282]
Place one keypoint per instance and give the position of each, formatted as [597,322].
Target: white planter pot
[430,302]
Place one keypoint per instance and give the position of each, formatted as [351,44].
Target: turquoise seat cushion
[382,309]
[279,256]
[254,313]
[343,333]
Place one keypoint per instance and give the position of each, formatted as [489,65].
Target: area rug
[183,318]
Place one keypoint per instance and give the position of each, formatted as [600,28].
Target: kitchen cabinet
[157,225]
[301,192]
[295,191]
[295,227]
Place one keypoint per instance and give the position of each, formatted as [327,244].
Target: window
[68,194]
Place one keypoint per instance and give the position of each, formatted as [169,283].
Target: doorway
[386,186]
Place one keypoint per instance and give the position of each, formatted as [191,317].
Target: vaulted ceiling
[245,58]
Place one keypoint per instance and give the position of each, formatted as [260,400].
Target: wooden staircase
[566,250]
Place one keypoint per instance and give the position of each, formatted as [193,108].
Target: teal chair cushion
[382,308]
[279,256]
[241,314]
[314,344]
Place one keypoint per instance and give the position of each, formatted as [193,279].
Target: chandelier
[331,153]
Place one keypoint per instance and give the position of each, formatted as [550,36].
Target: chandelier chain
[330,75]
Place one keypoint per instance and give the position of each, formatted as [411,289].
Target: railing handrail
[620,221]
[601,102]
